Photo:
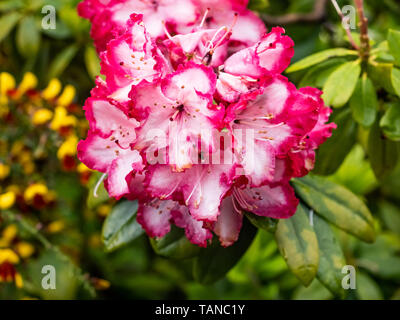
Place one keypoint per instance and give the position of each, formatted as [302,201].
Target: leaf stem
[363,25]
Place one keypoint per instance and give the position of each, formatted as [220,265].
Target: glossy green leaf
[340,85]
[337,205]
[381,74]
[92,62]
[61,61]
[331,258]
[215,261]
[28,37]
[364,102]
[320,57]
[121,226]
[394,44]
[175,245]
[332,153]
[396,80]
[7,23]
[383,153]
[298,245]
[390,122]
[265,223]
[390,214]
[317,75]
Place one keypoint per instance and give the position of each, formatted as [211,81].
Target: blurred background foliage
[49,216]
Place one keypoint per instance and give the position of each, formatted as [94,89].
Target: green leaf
[28,37]
[318,74]
[396,80]
[175,245]
[331,258]
[265,223]
[332,153]
[102,194]
[367,288]
[61,61]
[383,153]
[320,57]
[390,215]
[364,102]
[390,122]
[336,204]
[7,23]
[394,44]
[381,74]
[298,245]
[121,226]
[215,261]
[340,85]
[92,62]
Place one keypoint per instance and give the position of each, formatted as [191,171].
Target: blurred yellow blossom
[10,232]
[62,119]
[29,81]
[4,171]
[52,90]
[7,200]
[18,281]
[104,210]
[24,249]
[42,116]
[7,82]
[55,226]
[34,190]
[8,255]
[68,148]
[67,96]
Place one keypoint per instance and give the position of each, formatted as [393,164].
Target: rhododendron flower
[197,123]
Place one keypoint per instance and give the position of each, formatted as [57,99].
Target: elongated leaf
[7,23]
[333,152]
[320,57]
[364,102]
[340,85]
[390,122]
[383,153]
[381,74]
[28,37]
[215,261]
[61,61]
[337,205]
[367,288]
[331,258]
[121,226]
[317,75]
[175,245]
[265,223]
[298,245]
[396,80]
[394,44]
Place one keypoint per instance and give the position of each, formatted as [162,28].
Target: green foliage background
[357,174]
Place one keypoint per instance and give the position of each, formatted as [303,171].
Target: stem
[344,20]
[363,25]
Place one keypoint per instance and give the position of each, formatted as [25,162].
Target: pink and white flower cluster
[185,80]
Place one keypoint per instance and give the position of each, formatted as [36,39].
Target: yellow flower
[7,200]
[29,81]
[82,168]
[4,171]
[101,284]
[17,147]
[52,90]
[24,249]
[29,167]
[55,226]
[7,255]
[35,189]
[10,232]
[18,281]
[104,210]
[67,96]
[7,82]
[68,148]
[62,119]
[42,116]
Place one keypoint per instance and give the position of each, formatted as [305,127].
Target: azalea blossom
[196,122]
